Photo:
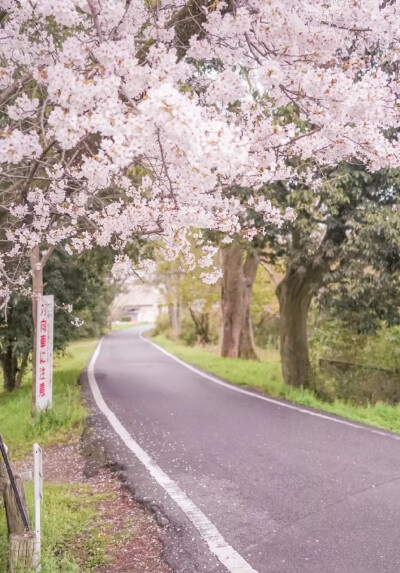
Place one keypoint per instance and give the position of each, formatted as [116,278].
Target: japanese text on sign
[44,352]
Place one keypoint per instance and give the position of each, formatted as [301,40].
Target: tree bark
[247,347]
[202,325]
[21,371]
[37,291]
[10,368]
[174,318]
[295,295]
[232,293]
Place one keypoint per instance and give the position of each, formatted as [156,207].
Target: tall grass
[70,533]
[63,422]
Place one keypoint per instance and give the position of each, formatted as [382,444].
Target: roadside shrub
[188,333]
[357,384]
[324,386]
[162,325]
[266,331]
[362,369]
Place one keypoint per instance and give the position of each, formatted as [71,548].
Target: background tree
[332,223]
[76,282]
[239,267]
[239,263]
[188,297]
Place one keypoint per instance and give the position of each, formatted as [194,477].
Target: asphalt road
[288,491]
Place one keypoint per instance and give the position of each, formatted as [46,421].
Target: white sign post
[44,352]
[38,495]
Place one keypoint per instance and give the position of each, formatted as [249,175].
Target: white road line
[267,399]
[230,558]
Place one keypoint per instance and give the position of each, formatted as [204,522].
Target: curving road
[245,484]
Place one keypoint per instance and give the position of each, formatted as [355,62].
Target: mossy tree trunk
[247,346]
[21,370]
[201,322]
[295,293]
[13,372]
[37,291]
[239,273]
[232,292]
[9,365]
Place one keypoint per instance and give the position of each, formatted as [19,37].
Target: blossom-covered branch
[123,119]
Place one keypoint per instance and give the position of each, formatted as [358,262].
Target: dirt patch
[134,540]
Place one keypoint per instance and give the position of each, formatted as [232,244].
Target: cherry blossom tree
[124,118]
[119,119]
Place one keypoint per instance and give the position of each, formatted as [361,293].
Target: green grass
[68,528]
[266,376]
[63,422]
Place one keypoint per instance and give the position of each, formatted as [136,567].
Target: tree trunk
[294,295]
[247,347]
[37,291]
[10,369]
[202,325]
[174,318]
[21,371]
[232,293]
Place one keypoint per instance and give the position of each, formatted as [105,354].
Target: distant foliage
[162,325]
[364,368]
[80,292]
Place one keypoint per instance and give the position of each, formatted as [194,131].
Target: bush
[188,331]
[357,367]
[162,325]
[267,331]
[188,334]
[357,384]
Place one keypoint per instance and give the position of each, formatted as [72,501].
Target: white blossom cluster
[115,125]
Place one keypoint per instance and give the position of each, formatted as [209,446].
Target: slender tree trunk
[21,371]
[37,291]
[9,365]
[247,347]
[294,295]
[202,325]
[232,293]
[173,311]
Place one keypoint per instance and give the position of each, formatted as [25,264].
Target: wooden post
[22,542]
[22,550]
[15,523]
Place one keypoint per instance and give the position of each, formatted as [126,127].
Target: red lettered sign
[44,352]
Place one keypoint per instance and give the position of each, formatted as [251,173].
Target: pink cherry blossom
[115,124]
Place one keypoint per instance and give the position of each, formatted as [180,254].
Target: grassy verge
[68,511]
[68,520]
[266,376]
[63,422]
